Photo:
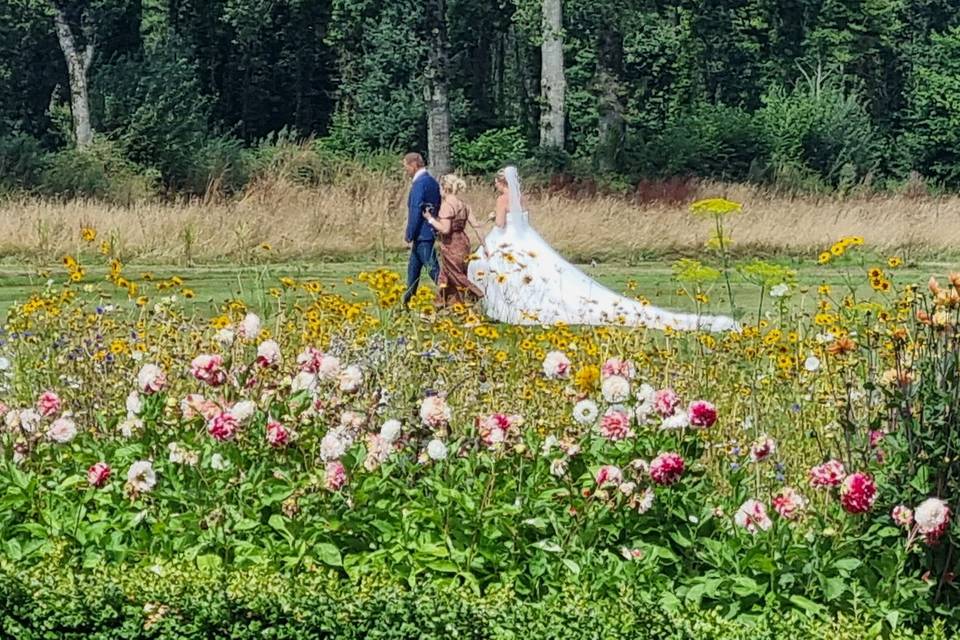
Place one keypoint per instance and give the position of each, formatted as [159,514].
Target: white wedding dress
[526,282]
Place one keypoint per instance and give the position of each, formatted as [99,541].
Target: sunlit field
[229,420]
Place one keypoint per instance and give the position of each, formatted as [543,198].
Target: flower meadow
[806,465]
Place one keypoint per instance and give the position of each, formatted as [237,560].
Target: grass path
[215,283]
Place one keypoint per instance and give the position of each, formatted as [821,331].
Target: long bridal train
[526,282]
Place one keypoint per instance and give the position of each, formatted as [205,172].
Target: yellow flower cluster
[74,270]
[715,207]
[386,285]
[839,248]
[878,280]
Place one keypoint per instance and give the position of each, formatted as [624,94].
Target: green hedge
[52,602]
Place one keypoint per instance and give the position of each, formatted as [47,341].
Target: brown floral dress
[454,286]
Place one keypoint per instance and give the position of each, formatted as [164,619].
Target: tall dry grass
[365,217]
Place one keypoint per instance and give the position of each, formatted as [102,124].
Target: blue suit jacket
[424,196]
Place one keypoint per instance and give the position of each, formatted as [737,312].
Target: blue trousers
[421,255]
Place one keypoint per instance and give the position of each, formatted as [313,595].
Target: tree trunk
[611,126]
[78,70]
[553,82]
[438,103]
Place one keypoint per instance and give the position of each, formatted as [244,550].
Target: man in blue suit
[424,198]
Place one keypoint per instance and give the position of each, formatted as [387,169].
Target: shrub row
[808,139]
[114,602]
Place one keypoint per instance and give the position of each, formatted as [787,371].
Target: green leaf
[573,566]
[443,566]
[670,602]
[711,587]
[833,588]
[656,551]
[807,605]
[847,564]
[35,529]
[246,524]
[209,561]
[745,586]
[539,523]
[761,562]
[278,522]
[328,554]
[921,481]
[275,497]
[893,617]
[19,478]
[72,481]
[680,539]
[695,594]
[548,545]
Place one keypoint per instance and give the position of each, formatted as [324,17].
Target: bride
[526,282]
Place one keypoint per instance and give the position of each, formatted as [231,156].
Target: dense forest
[825,94]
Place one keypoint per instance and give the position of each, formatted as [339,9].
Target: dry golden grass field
[278,220]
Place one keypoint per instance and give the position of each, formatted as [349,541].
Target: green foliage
[766,274]
[548,161]
[925,423]
[21,161]
[715,141]
[101,172]
[702,89]
[932,136]
[156,107]
[489,151]
[820,130]
[178,602]
[222,164]
[382,53]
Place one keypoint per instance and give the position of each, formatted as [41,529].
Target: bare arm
[500,213]
[442,222]
[473,221]
[442,226]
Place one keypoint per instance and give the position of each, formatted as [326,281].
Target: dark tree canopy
[837,91]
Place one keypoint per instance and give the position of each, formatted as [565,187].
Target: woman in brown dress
[451,225]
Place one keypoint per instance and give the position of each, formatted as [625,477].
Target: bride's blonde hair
[452,183]
[501,177]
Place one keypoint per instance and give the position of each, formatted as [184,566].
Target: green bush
[711,141]
[932,135]
[546,162]
[222,164]
[156,110]
[283,156]
[819,130]
[100,171]
[489,151]
[341,139]
[21,161]
[166,602]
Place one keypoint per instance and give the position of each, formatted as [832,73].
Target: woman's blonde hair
[452,183]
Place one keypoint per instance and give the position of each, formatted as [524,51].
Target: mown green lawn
[216,283]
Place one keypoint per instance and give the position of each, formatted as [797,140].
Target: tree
[932,134]
[611,129]
[553,83]
[381,55]
[437,89]
[79,58]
